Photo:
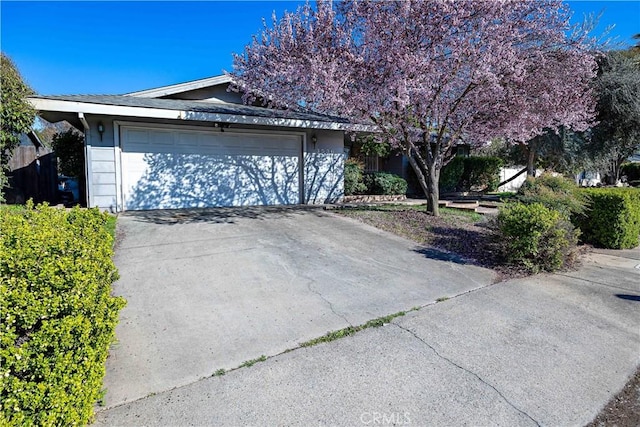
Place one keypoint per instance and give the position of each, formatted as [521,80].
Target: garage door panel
[183,181]
[251,172]
[168,141]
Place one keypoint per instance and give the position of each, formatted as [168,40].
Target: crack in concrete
[329,303]
[298,347]
[467,371]
[310,282]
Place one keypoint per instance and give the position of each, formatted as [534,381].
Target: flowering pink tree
[427,74]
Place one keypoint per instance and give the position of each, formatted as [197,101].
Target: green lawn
[111,226]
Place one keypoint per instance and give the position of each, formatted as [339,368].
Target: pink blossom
[428,74]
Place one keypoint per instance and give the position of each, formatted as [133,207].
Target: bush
[57,314]
[631,171]
[538,238]
[481,173]
[353,183]
[555,192]
[471,173]
[613,218]
[451,175]
[384,183]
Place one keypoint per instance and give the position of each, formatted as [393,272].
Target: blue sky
[118,47]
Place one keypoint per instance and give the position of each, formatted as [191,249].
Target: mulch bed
[623,410]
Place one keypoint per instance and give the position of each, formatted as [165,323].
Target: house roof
[182,87]
[133,106]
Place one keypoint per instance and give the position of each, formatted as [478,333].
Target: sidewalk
[545,350]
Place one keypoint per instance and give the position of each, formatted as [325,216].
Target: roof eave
[56,105]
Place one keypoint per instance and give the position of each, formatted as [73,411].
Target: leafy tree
[427,75]
[634,51]
[69,149]
[16,113]
[617,134]
[372,146]
[561,151]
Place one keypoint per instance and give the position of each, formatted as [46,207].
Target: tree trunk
[434,192]
[427,186]
[531,162]
[617,165]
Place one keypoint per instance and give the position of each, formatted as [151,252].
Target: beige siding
[214,93]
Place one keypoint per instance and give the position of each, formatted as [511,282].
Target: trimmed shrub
[353,177]
[57,314]
[555,192]
[451,175]
[536,237]
[384,183]
[481,173]
[613,218]
[471,173]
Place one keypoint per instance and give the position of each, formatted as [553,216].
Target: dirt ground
[465,234]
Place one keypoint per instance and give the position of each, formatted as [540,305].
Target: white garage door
[166,168]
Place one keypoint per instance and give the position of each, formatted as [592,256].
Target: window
[371,163]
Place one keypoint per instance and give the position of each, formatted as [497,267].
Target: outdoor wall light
[314,139]
[100,129]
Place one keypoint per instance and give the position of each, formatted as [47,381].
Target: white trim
[83,120]
[301,184]
[88,180]
[206,129]
[42,104]
[117,152]
[181,87]
[117,124]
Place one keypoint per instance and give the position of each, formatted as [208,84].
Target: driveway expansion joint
[467,371]
[593,282]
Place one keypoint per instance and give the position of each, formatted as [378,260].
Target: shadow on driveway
[219,215]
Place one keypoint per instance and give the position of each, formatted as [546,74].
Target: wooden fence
[33,176]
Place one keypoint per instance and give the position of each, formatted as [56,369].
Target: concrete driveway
[549,349]
[211,289]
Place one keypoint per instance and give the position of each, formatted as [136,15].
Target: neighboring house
[195,144]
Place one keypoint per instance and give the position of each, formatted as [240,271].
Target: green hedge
[555,192]
[451,175]
[353,184]
[384,183]
[613,218]
[466,173]
[58,317]
[358,182]
[536,237]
